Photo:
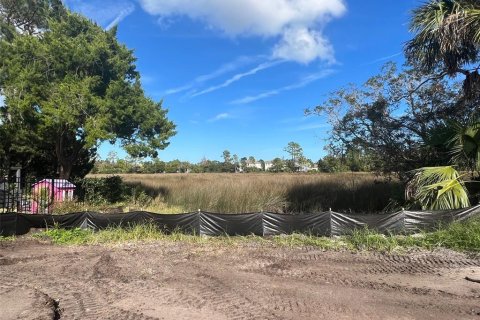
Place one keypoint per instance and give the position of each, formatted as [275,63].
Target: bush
[102,190]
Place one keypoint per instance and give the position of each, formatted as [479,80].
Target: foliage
[354,160]
[102,190]
[278,165]
[294,150]
[330,164]
[460,236]
[7,239]
[28,16]
[464,144]
[73,86]
[63,236]
[447,38]
[227,157]
[390,122]
[438,188]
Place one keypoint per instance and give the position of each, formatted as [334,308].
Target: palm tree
[447,42]
[447,39]
[438,188]
[446,32]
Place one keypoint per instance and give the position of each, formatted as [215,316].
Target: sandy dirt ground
[166,280]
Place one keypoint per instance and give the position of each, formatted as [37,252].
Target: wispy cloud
[311,126]
[223,69]
[293,120]
[383,58]
[302,83]
[105,12]
[220,116]
[178,89]
[238,77]
[121,15]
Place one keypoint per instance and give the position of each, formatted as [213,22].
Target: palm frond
[438,188]
[465,143]
[446,31]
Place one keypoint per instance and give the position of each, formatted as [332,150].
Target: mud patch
[165,280]
[25,304]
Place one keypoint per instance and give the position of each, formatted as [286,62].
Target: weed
[460,236]
[7,238]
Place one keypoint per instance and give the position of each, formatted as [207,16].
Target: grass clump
[7,238]
[367,239]
[298,240]
[460,236]
[64,236]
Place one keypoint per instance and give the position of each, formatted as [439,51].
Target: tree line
[352,160]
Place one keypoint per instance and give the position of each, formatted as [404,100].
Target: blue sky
[238,74]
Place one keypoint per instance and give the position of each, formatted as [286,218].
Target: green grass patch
[7,239]
[64,236]
[460,236]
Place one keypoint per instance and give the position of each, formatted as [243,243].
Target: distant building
[258,165]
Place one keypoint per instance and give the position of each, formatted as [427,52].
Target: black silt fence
[262,224]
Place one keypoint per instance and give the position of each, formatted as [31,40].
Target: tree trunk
[65,169]
[65,164]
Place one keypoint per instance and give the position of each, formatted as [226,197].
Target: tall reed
[216,192]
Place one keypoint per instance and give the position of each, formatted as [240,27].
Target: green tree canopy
[294,150]
[227,156]
[397,125]
[74,86]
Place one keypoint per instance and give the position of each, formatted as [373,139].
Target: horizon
[243,84]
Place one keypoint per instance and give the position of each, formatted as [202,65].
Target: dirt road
[166,280]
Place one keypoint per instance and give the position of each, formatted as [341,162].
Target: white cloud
[302,83]
[220,116]
[238,76]
[127,10]
[383,58]
[298,23]
[223,69]
[106,13]
[303,45]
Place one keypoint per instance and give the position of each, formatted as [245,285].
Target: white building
[258,165]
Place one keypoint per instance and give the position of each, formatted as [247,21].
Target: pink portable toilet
[48,191]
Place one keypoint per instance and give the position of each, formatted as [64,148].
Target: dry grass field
[216,192]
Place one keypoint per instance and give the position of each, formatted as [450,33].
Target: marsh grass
[459,236]
[233,193]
